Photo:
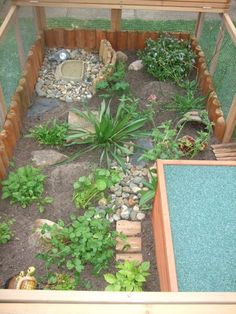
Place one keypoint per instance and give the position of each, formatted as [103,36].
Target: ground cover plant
[5,231]
[130,276]
[25,186]
[94,186]
[52,133]
[87,239]
[114,84]
[168,58]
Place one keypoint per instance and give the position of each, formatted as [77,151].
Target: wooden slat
[199,24]
[3,107]
[116,19]
[194,6]
[38,308]
[19,41]
[40,19]
[233,144]
[5,24]
[230,26]
[216,52]
[230,122]
[225,150]
[102,297]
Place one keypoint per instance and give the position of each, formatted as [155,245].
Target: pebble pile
[126,194]
[48,86]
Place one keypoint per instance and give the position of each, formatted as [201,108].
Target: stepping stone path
[130,249]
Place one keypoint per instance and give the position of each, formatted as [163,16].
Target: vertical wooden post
[40,19]
[230,122]
[216,53]
[116,19]
[19,41]
[3,108]
[199,24]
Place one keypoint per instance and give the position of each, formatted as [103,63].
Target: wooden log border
[165,257]
[19,105]
[90,40]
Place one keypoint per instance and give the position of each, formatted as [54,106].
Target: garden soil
[20,253]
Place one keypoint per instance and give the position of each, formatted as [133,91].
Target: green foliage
[86,240]
[167,58]
[25,186]
[165,145]
[52,133]
[5,231]
[93,187]
[110,135]
[57,281]
[190,101]
[130,277]
[114,83]
[148,196]
[191,147]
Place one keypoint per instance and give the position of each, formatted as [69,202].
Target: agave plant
[109,134]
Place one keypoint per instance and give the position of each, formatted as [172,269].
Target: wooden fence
[19,105]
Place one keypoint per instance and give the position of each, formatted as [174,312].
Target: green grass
[224,78]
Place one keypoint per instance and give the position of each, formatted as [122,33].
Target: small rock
[125,195]
[47,157]
[118,193]
[126,189]
[136,65]
[121,56]
[102,202]
[136,208]
[133,215]
[140,216]
[125,214]
[137,180]
[116,217]
[131,202]
[136,189]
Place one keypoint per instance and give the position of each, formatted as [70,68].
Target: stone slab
[46,157]
[129,228]
[78,122]
[130,245]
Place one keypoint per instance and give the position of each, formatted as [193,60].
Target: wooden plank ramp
[225,151]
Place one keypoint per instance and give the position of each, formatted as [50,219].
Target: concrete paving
[90,14]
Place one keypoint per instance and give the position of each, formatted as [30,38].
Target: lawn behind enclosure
[224,78]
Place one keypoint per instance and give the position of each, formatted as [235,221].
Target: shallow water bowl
[70,70]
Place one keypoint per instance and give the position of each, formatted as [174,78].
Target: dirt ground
[20,253]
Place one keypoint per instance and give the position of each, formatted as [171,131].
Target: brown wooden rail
[88,302]
[218,6]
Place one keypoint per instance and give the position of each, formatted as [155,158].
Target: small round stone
[140,216]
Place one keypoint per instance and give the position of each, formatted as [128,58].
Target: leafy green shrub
[114,83]
[148,196]
[57,281]
[92,187]
[190,101]
[5,231]
[52,133]
[110,135]
[86,240]
[25,186]
[130,277]
[167,58]
[165,145]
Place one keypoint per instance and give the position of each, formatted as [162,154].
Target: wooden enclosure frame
[161,222]
[87,302]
